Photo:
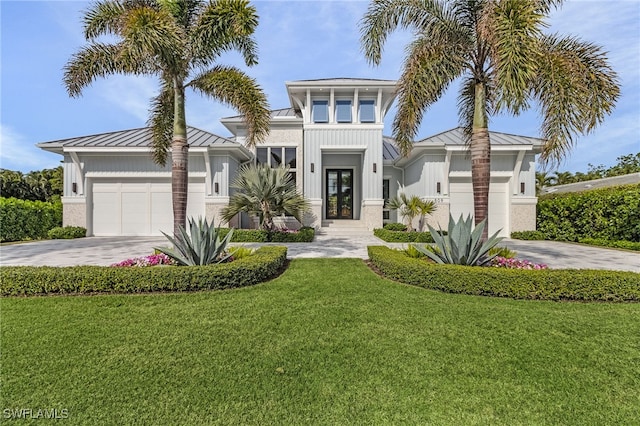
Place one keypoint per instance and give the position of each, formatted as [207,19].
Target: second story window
[367,111]
[278,156]
[343,111]
[320,111]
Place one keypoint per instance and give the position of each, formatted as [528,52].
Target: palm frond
[231,86]
[431,64]
[161,123]
[225,25]
[576,88]
[102,18]
[385,16]
[99,60]
[512,31]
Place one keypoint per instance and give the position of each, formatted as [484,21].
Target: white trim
[76,162]
[468,174]
[207,178]
[344,126]
[444,190]
[140,175]
[357,148]
[373,202]
[216,200]
[516,172]
[524,200]
[493,147]
[74,200]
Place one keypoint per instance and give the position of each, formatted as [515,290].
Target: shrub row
[68,232]
[548,284]
[607,214]
[628,245]
[264,264]
[528,235]
[402,236]
[395,226]
[28,220]
[304,235]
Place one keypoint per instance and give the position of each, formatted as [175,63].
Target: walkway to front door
[339,194]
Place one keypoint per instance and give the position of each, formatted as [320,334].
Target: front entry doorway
[339,194]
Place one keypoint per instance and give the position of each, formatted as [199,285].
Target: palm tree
[563,178]
[179,42]
[543,179]
[266,192]
[412,207]
[504,63]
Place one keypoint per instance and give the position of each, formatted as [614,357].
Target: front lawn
[328,342]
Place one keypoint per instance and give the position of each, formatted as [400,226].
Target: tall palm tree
[504,63]
[562,178]
[178,41]
[543,179]
[266,192]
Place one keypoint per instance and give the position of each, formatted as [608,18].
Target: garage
[461,202]
[139,207]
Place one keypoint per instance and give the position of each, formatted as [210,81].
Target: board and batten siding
[368,141]
[423,173]
[528,176]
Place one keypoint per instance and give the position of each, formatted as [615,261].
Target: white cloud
[16,153]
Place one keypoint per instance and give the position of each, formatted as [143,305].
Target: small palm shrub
[201,246]
[463,243]
[503,252]
[240,252]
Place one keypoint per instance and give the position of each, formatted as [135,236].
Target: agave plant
[202,245]
[463,243]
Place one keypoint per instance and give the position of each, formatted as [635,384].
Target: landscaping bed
[578,285]
[263,264]
[303,235]
[391,236]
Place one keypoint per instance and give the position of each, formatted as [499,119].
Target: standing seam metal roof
[136,138]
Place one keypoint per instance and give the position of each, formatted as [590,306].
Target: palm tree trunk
[179,160]
[480,158]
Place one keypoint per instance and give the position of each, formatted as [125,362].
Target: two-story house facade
[332,139]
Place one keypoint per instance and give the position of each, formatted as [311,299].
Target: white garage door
[461,202]
[132,207]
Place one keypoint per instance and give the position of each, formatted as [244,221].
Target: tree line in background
[626,164]
[41,185]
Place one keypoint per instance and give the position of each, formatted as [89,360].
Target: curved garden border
[263,265]
[547,284]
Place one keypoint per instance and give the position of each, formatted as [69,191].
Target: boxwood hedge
[402,236]
[28,220]
[264,264]
[548,284]
[304,235]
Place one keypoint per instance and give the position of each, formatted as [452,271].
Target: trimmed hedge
[28,220]
[395,227]
[528,235]
[403,236]
[547,284]
[607,214]
[627,245]
[304,235]
[68,232]
[264,264]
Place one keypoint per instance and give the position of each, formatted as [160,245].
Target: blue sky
[297,40]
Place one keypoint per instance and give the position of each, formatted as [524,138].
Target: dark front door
[339,194]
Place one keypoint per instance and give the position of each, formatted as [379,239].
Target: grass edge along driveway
[328,342]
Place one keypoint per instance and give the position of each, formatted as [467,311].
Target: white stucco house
[331,136]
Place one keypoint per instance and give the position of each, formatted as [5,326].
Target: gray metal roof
[593,184]
[282,112]
[389,149]
[343,80]
[136,138]
[456,137]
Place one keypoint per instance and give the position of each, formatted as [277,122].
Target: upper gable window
[367,111]
[320,111]
[343,111]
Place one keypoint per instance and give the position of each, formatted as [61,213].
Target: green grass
[328,342]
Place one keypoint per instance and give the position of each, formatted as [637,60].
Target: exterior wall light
[216,187]
[375,168]
[522,187]
[74,188]
[438,188]
[313,167]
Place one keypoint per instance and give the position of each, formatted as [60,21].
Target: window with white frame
[343,111]
[367,111]
[320,111]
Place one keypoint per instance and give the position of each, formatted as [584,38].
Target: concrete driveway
[108,250]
